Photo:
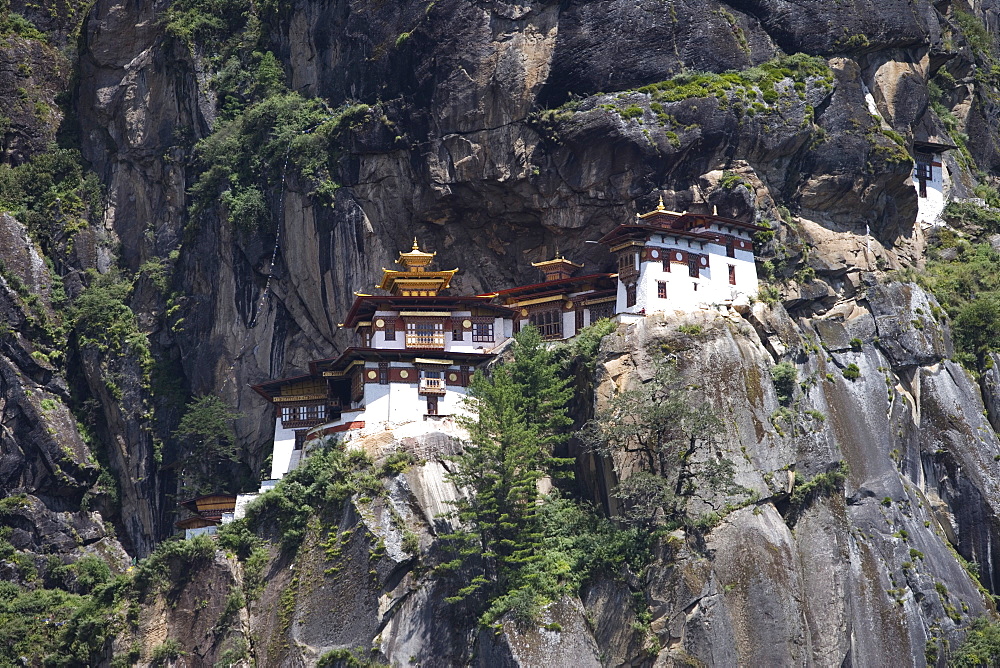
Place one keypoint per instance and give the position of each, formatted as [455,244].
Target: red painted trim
[556,283]
[404,303]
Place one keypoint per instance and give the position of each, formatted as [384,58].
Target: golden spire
[660,208]
[416,259]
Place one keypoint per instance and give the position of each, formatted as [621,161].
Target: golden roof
[416,259]
[659,209]
[558,260]
[415,280]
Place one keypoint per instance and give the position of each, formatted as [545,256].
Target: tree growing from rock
[662,423]
[207,437]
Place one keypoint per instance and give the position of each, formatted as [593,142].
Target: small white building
[682,261]
[930,179]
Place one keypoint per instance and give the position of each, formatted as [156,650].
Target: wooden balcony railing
[431,386]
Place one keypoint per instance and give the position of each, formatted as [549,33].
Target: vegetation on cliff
[964,276]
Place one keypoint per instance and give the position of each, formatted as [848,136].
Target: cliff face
[498,133]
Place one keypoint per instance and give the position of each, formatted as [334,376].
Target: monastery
[416,347]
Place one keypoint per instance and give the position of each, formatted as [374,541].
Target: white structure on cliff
[416,355]
[681,261]
[417,349]
[930,180]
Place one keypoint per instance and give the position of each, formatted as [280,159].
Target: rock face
[784,586]
[500,132]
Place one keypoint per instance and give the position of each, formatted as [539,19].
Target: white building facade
[931,181]
[682,261]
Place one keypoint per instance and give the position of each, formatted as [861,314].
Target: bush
[51,193]
[785,377]
[852,372]
[172,564]
[169,650]
[327,479]
[981,646]
[246,156]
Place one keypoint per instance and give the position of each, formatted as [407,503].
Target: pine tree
[520,416]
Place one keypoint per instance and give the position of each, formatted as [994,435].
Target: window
[390,330]
[300,439]
[661,289]
[923,171]
[628,264]
[424,334]
[305,415]
[482,332]
[383,373]
[666,264]
[457,333]
[358,386]
[549,323]
[432,405]
[730,247]
[601,311]
[732,274]
[464,374]
[579,319]
[694,271]
[695,287]
[630,298]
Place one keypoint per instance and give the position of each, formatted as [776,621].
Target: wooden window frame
[548,322]
[432,339]
[477,332]
[631,295]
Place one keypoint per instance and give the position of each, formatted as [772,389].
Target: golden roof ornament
[416,259]
[557,268]
[660,208]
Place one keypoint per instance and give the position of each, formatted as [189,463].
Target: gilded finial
[660,207]
[415,246]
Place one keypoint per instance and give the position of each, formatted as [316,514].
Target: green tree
[207,425]
[208,447]
[520,416]
[977,326]
[981,646]
[660,422]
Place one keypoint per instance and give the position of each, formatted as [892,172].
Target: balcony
[433,386]
[426,342]
[425,335]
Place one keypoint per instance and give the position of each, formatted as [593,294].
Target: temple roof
[596,282]
[365,305]
[661,221]
[272,388]
[345,359]
[414,279]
